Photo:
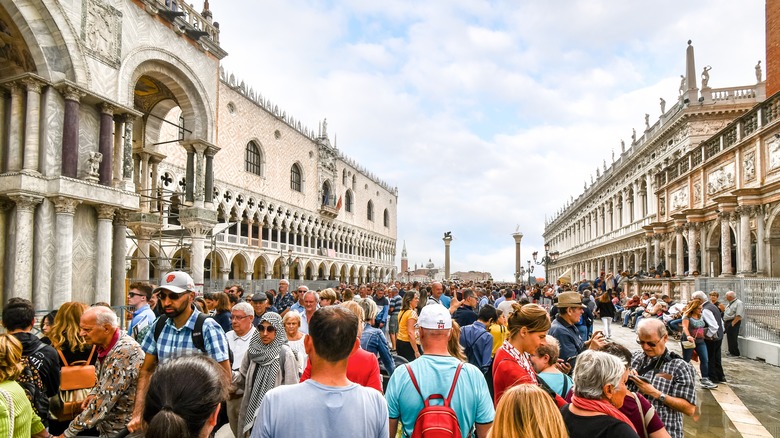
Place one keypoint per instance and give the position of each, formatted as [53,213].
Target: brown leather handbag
[76,380]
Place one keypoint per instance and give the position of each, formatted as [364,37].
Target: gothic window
[254,159]
[348,201]
[387,218]
[296,178]
[370,211]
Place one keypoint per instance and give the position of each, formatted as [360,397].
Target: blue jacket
[568,337]
[374,341]
[478,343]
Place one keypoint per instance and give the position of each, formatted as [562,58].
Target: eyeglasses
[301,291]
[170,296]
[133,294]
[266,329]
[649,344]
[240,317]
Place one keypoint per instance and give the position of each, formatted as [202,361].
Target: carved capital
[105,212]
[107,108]
[63,205]
[32,85]
[72,93]
[25,202]
[224,271]
[120,217]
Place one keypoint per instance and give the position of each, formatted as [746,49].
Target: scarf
[522,359]
[602,406]
[267,366]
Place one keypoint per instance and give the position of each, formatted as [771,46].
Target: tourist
[286,299]
[138,298]
[269,362]
[515,420]
[373,339]
[693,331]
[545,363]
[477,341]
[407,344]
[454,348]
[466,313]
[499,331]
[713,337]
[45,326]
[239,340]
[564,330]
[260,304]
[328,297]
[222,310]
[394,309]
[292,327]
[25,422]
[599,389]
[606,311]
[174,407]
[732,318]
[383,305]
[437,289]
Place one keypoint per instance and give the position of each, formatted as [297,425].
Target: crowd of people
[374,360]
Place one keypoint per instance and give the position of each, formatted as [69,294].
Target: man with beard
[177,336]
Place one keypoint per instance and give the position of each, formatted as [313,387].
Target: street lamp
[550,258]
[523,271]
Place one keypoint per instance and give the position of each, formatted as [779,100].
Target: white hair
[104,315]
[370,308]
[244,307]
[595,369]
[699,295]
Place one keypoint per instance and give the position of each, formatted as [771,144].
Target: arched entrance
[260,266]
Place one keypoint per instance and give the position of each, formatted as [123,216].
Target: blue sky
[485,114]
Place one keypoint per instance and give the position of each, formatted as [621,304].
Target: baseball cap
[435,317]
[177,282]
[260,297]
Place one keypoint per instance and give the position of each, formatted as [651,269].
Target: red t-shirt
[362,368]
[631,411]
[508,373]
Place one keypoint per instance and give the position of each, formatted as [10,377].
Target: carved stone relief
[680,199]
[749,166]
[721,178]
[697,192]
[101,31]
[773,147]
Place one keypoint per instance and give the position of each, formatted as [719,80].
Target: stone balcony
[186,21]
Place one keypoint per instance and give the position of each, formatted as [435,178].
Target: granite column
[65,209]
[118,254]
[70,133]
[104,252]
[32,131]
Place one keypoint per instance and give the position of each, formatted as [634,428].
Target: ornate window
[370,211]
[348,201]
[296,180]
[387,218]
[254,159]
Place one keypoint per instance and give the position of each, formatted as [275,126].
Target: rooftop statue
[705,77]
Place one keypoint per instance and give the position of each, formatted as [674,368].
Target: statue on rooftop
[663,106]
[682,84]
[622,146]
[633,135]
[758,71]
[647,121]
[705,77]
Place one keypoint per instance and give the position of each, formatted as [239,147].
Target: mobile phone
[568,361]
[459,296]
[642,378]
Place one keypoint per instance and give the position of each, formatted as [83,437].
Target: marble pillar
[197,251]
[143,237]
[209,187]
[189,190]
[118,152]
[744,247]
[760,243]
[127,153]
[104,252]
[70,133]
[224,275]
[679,252]
[693,238]
[447,241]
[32,136]
[106,144]
[517,236]
[25,215]
[15,134]
[656,251]
[3,131]
[118,262]
[725,241]
[65,209]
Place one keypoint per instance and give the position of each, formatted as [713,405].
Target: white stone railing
[734,93]
[191,18]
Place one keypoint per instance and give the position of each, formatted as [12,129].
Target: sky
[487,115]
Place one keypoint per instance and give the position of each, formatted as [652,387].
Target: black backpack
[197,333]
[32,383]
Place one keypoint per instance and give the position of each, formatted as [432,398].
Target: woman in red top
[528,327]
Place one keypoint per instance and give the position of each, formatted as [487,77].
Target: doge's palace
[127,151]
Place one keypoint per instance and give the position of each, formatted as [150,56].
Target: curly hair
[10,357]
[65,330]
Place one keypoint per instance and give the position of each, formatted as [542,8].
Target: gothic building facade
[127,151]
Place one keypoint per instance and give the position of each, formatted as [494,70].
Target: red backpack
[436,421]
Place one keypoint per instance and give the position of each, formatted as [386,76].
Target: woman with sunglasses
[269,362]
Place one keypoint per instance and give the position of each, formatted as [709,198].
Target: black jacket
[46,360]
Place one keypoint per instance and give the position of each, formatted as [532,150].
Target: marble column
[744,246]
[32,130]
[143,237]
[104,251]
[118,152]
[693,237]
[65,209]
[106,144]
[656,250]
[224,275]
[648,253]
[248,275]
[25,214]
[15,135]
[725,242]
[517,236]
[197,249]
[209,187]
[127,153]
[447,241]
[705,257]
[189,190]
[760,243]
[3,133]
[70,133]
[679,254]
[118,262]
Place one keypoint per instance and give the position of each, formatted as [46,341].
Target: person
[394,308]
[693,331]
[515,420]
[143,315]
[454,348]
[18,320]
[383,306]
[406,343]
[434,373]
[732,318]
[109,405]
[564,330]
[362,367]
[238,340]
[335,405]
[373,339]
[13,399]
[292,325]
[46,323]
[65,336]
[599,389]
[269,362]
[176,408]
[635,406]
[299,293]
[437,289]
[260,305]
[176,293]
[606,311]
[465,314]
[713,337]
[328,297]
[286,300]
[714,297]
[499,331]
[477,341]
[310,305]
[222,310]
[235,290]
[545,362]
[672,388]
[512,366]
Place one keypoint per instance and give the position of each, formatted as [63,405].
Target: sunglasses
[133,294]
[649,344]
[266,329]
[170,296]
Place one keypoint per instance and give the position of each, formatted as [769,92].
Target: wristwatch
[662,398]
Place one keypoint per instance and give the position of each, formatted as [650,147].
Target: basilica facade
[127,151]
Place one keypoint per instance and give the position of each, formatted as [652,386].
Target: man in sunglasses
[177,293]
[143,315]
[663,376]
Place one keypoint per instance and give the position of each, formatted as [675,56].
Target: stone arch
[261,265]
[310,270]
[238,265]
[214,261]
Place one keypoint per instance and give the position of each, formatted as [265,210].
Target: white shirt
[239,345]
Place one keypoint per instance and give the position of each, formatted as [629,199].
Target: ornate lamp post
[523,270]
[550,258]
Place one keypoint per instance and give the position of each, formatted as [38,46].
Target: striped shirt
[176,342]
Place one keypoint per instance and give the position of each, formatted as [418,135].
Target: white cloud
[485,114]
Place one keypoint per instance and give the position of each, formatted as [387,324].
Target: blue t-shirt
[344,411]
[557,382]
[471,400]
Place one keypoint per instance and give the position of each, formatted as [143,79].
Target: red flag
[338,204]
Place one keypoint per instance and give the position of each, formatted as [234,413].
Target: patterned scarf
[521,358]
[266,359]
[602,406]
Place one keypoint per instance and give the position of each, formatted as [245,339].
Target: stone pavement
[747,406]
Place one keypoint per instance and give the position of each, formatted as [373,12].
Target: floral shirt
[284,302]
